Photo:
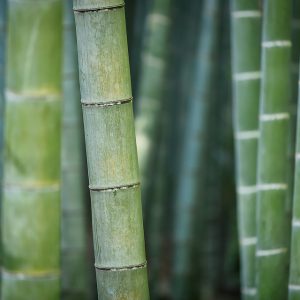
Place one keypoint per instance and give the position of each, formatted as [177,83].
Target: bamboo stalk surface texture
[273,221]
[246,41]
[111,149]
[31,196]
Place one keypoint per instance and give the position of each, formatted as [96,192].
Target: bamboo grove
[149,149]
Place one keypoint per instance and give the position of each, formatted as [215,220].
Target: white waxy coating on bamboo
[247,190]
[270,252]
[274,117]
[24,276]
[246,14]
[245,76]
[248,241]
[272,186]
[247,135]
[296,223]
[160,19]
[249,291]
[294,287]
[277,44]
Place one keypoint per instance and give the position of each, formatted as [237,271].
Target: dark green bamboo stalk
[273,232]
[193,149]
[75,275]
[151,93]
[246,40]
[111,149]
[31,197]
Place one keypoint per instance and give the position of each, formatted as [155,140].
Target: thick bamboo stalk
[273,221]
[75,275]
[31,196]
[111,149]
[193,149]
[246,40]
[151,93]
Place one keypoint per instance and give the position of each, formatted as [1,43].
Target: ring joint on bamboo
[107,104]
[115,188]
[125,268]
[104,8]
[26,276]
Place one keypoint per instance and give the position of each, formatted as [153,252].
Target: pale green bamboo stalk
[193,147]
[246,40]
[31,196]
[273,221]
[151,93]
[111,149]
[75,271]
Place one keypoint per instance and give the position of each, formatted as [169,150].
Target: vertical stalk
[294,278]
[193,148]
[111,149]
[273,232]
[246,39]
[31,196]
[151,93]
[75,275]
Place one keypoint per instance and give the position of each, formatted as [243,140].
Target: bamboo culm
[273,219]
[193,149]
[151,92]
[75,271]
[246,26]
[111,149]
[31,183]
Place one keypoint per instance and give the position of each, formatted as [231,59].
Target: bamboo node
[125,268]
[249,291]
[272,186]
[246,135]
[250,241]
[269,252]
[274,117]
[105,8]
[246,14]
[115,188]
[278,44]
[294,287]
[245,76]
[106,104]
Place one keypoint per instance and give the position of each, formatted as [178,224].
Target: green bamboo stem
[111,149]
[273,230]
[246,39]
[193,149]
[75,275]
[294,275]
[31,196]
[151,93]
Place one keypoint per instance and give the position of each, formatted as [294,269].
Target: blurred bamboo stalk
[111,149]
[75,270]
[191,163]
[246,40]
[151,94]
[273,220]
[31,196]
[294,276]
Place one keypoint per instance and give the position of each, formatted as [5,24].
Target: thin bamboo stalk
[31,196]
[193,149]
[246,39]
[273,221]
[294,276]
[111,149]
[151,94]
[75,272]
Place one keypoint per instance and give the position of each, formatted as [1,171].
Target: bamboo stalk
[273,232]
[193,149]
[111,149]
[75,275]
[246,38]
[151,94]
[31,196]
